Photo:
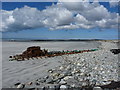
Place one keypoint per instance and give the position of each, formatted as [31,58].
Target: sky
[59,20]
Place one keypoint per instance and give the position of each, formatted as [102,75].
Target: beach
[100,66]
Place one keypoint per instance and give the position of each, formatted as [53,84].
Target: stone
[21,86]
[62,82]
[66,73]
[42,80]
[57,87]
[78,64]
[37,83]
[30,83]
[67,77]
[52,87]
[94,82]
[46,77]
[61,68]
[49,80]
[73,85]
[32,89]
[17,84]
[68,67]
[97,88]
[50,71]
[55,74]
[42,88]
[84,84]
[63,87]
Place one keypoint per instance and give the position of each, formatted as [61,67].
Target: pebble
[63,87]
[61,68]
[17,84]
[50,71]
[46,77]
[67,77]
[52,87]
[37,83]
[55,74]
[97,88]
[21,86]
[42,80]
[84,84]
[49,80]
[62,82]
[42,88]
[57,87]
[78,64]
[65,73]
[29,83]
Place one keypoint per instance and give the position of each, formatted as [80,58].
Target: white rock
[84,84]
[63,87]
[20,86]
[62,82]
[61,67]
[81,74]
[78,64]
[67,77]
[97,88]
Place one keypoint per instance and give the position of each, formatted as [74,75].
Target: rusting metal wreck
[36,52]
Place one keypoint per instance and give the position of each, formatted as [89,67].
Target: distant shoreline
[53,40]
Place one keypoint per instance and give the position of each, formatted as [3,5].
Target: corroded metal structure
[36,52]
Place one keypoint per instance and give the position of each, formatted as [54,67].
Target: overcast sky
[60,20]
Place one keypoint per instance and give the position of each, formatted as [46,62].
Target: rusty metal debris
[36,52]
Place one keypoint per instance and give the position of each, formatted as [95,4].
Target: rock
[31,89]
[68,67]
[84,84]
[73,85]
[61,68]
[21,86]
[57,87]
[78,64]
[52,87]
[66,72]
[42,80]
[62,82]
[63,87]
[94,82]
[61,76]
[29,83]
[42,88]
[37,83]
[17,84]
[55,74]
[49,80]
[50,71]
[46,77]
[97,88]
[81,74]
[67,77]
[75,77]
